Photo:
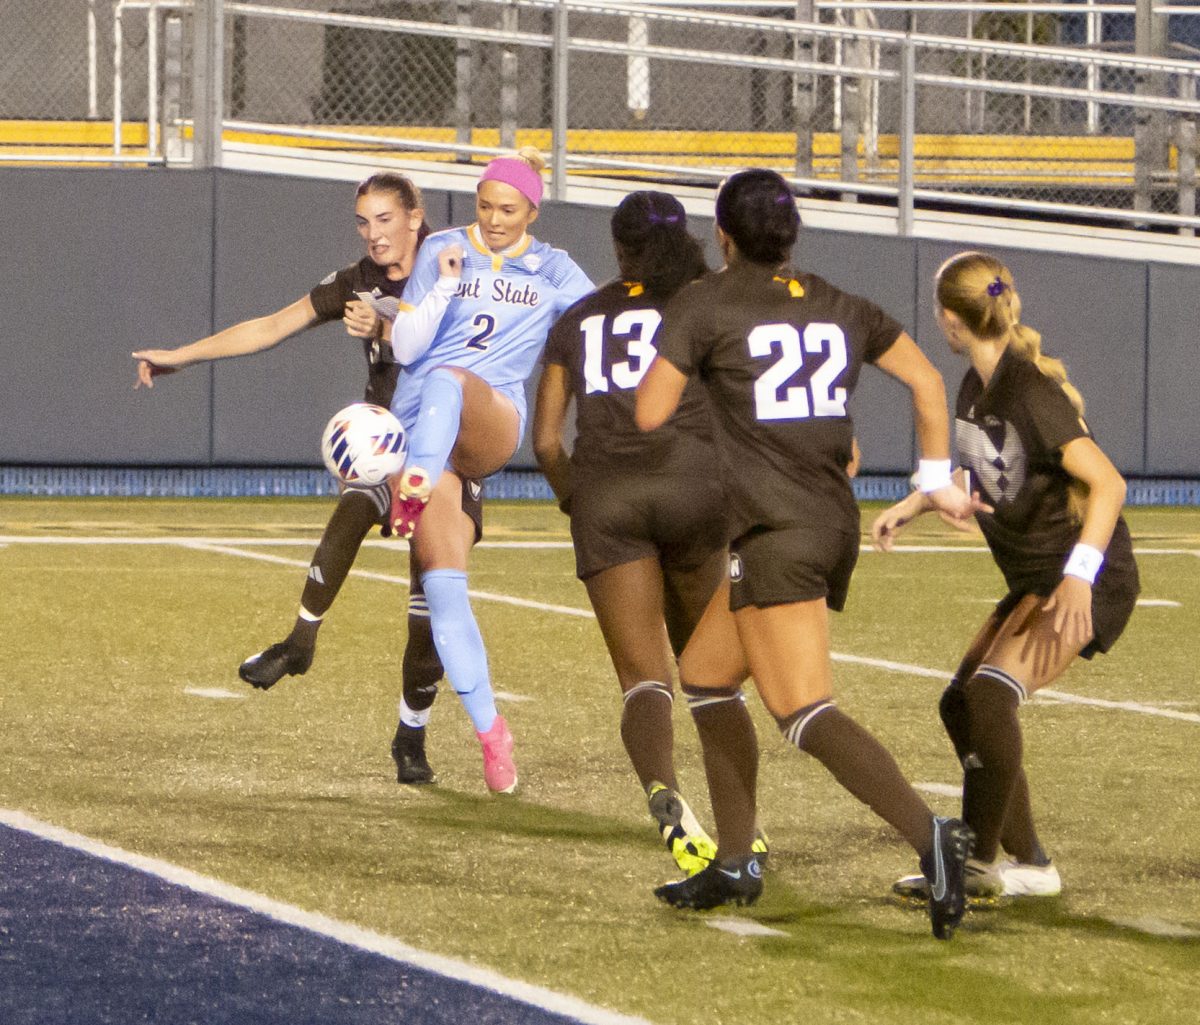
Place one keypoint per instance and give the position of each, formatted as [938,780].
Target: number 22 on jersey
[637,328]
[774,398]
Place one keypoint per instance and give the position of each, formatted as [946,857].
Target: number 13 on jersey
[774,398]
[636,328]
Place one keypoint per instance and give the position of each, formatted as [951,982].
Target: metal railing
[822,89]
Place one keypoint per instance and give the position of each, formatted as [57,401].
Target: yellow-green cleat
[761,845]
[691,847]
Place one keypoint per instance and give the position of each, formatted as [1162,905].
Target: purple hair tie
[996,287]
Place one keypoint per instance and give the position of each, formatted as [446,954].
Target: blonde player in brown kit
[1053,523]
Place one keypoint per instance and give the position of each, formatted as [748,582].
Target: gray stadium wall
[97,263]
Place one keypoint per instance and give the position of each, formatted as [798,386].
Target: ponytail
[533,157]
[1027,343]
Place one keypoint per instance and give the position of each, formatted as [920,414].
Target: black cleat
[408,752]
[737,882]
[945,868]
[267,668]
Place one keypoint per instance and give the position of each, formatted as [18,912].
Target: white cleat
[984,883]
[1021,880]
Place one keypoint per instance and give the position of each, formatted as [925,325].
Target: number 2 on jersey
[774,399]
[486,324]
[639,327]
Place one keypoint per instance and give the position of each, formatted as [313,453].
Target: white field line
[222,548]
[343,932]
[217,693]
[257,542]
[288,542]
[742,926]
[1056,696]
[387,578]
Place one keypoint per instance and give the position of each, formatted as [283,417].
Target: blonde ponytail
[1027,343]
[533,157]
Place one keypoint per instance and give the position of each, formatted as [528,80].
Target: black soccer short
[472,505]
[1114,597]
[616,520]
[791,564]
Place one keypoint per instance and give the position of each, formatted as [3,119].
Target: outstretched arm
[242,339]
[891,521]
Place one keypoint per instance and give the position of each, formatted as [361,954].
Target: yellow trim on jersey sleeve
[635,288]
[404,307]
[795,289]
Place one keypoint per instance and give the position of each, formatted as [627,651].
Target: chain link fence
[44,70]
[1000,105]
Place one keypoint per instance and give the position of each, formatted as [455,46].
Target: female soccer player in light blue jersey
[471,327]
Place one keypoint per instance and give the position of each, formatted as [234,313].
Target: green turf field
[291,792]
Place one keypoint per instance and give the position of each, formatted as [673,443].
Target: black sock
[422,666]
[992,701]
[730,764]
[953,711]
[863,766]
[1019,837]
[355,514]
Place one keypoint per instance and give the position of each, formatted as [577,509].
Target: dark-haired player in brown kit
[390,216]
[1053,523]
[780,353]
[647,520]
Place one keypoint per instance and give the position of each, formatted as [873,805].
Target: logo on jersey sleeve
[736,569]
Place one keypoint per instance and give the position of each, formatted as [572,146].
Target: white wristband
[933,474]
[1084,562]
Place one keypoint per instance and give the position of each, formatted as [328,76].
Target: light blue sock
[459,643]
[436,429]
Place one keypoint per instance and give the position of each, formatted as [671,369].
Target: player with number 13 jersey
[647,514]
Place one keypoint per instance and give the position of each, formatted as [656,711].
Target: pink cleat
[410,494]
[498,769]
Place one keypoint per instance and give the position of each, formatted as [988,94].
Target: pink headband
[518,174]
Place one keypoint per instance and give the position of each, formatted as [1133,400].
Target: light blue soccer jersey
[496,323]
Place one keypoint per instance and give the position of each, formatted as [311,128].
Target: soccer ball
[364,445]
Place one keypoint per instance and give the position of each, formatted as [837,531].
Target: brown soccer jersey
[606,343]
[780,356]
[329,299]
[1010,436]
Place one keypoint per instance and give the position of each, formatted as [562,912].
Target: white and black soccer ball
[364,445]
